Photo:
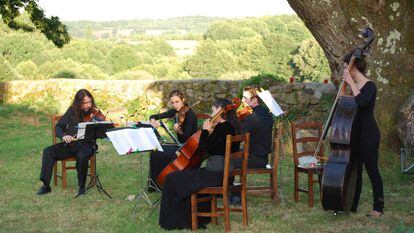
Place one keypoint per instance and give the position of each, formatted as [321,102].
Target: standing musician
[368,139]
[175,212]
[82,109]
[185,126]
[259,123]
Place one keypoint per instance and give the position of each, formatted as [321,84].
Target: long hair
[180,95]
[77,103]
[360,63]
[230,116]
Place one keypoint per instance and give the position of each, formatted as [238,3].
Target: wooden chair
[272,171]
[226,188]
[201,117]
[65,166]
[310,171]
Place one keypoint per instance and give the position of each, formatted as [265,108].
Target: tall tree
[51,27]
[335,24]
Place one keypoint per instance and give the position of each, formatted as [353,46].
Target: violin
[180,115]
[244,112]
[95,112]
[188,156]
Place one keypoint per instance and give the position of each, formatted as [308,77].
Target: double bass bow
[187,155]
[340,172]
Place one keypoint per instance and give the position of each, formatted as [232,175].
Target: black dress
[159,160]
[368,140]
[175,212]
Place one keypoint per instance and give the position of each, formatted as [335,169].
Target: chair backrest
[53,121]
[306,135]
[241,154]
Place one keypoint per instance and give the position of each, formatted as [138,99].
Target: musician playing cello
[175,212]
[368,140]
[82,109]
[185,126]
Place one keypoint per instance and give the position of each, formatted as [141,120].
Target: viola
[180,115]
[95,112]
[187,155]
[340,172]
[243,113]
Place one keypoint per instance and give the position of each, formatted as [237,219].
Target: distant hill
[121,28]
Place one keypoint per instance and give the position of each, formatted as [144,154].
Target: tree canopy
[51,27]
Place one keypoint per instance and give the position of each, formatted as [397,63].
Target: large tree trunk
[335,25]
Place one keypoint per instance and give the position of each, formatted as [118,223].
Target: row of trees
[279,45]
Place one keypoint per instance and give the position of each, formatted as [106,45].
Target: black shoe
[44,190]
[81,191]
[235,200]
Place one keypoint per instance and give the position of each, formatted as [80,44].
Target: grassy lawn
[24,134]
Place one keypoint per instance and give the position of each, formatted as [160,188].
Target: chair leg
[63,174]
[226,213]
[296,184]
[194,219]
[55,174]
[274,185]
[310,188]
[214,208]
[244,209]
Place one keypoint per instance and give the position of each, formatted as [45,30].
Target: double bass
[188,156]
[340,172]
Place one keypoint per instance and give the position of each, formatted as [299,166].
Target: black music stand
[92,132]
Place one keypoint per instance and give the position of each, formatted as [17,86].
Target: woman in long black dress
[175,210]
[184,130]
[368,141]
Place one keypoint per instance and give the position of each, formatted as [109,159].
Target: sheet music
[82,127]
[133,140]
[270,102]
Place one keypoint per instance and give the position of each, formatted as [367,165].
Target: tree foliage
[51,27]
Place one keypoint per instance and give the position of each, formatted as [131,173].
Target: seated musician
[175,212]
[83,107]
[184,129]
[259,124]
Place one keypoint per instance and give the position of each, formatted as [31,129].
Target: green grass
[24,134]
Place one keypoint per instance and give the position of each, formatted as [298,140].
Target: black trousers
[61,151]
[158,161]
[368,157]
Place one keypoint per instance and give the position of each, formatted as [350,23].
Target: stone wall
[302,100]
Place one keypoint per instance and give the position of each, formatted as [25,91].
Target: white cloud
[104,10]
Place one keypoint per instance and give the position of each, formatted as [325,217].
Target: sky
[105,10]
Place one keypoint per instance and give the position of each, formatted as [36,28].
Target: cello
[340,172]
[187,155]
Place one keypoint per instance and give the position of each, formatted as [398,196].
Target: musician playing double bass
[175,212]
[82,109]
[185,126]
[368,136]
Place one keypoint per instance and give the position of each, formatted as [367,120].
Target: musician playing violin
[82,109]
[259,123]
[175,212]
[185,126]
[368,138]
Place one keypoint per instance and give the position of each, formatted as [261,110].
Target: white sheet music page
[134,140]
[270,103]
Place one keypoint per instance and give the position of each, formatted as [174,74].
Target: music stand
[141,194]
[92,132]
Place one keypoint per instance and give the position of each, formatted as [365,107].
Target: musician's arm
[168,114]
[62,124]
